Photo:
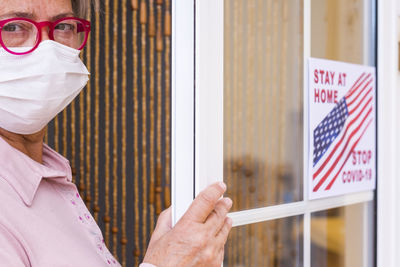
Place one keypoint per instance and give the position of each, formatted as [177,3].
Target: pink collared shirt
[43,220]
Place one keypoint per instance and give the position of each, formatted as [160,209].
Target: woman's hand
[198,238]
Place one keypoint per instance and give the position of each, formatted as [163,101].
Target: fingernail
[228,202]
[222,185]
[229,221]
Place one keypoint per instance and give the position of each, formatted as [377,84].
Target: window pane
[263,92]
[341,30]
[343,237]
[275,243]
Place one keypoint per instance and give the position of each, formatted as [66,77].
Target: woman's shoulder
[8,193]
[11,203]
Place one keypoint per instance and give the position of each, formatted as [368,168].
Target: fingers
[217,218]
[164,224]
[221,240]
[205,203]
[222,236]
[220,256]
[165,219]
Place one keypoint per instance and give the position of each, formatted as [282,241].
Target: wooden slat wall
[116,134]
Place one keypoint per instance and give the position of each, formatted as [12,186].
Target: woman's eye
[65,27]
[11,28]
[18,27]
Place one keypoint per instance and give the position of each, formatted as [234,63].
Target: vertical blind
[116,134]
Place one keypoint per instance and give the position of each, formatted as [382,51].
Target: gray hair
[81,7]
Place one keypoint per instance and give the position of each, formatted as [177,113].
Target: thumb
[164,224]
[204,203]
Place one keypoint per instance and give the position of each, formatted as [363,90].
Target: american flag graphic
[340,131]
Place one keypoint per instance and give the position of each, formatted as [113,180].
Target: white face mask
[35,87]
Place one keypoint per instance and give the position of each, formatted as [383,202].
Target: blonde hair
[81,7]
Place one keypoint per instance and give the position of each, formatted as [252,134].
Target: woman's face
[37,10]
[21,33]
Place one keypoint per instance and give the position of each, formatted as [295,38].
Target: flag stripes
[359,103]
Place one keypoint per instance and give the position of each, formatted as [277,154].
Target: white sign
[341,133]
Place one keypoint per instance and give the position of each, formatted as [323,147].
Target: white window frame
[388,221]
[197,129]
[182,147]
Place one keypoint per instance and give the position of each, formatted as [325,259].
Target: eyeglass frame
[39,26]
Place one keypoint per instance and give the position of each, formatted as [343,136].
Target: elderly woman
[43,221]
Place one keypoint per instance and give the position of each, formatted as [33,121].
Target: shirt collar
[24,174]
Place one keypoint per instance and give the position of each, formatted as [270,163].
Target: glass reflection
[343,237]
[338,30]
[275,243]
[263,70]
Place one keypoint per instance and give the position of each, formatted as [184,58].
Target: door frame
[190,73]
[388,186]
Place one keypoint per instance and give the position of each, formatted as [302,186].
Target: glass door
[250,128]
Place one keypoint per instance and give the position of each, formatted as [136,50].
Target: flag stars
[329,128]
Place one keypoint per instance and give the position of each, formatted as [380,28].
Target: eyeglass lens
[20,36]
[70,33]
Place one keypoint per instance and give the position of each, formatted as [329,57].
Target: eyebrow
[17,14]
[31,16]
[62,15]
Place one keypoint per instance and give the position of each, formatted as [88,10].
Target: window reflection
[263,92]
[343,237]
[275,243]
[337,30]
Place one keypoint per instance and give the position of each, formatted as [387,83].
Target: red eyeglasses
[20,36]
